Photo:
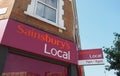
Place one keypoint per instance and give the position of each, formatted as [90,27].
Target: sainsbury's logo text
[43,36]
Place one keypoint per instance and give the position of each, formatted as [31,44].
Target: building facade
[39,38]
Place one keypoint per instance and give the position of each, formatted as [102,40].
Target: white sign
[3,10]
[91,62]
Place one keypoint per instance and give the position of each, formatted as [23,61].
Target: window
[19,65]
[49,11]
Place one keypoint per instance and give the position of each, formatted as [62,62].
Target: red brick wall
[21,6]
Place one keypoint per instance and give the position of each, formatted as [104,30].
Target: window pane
[40,9]
[52,3]
[50,14]
[42,0]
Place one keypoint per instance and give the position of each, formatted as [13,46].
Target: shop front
[27,51]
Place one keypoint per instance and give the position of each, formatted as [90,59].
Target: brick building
[39,38]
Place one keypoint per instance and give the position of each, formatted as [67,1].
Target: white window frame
[59,17]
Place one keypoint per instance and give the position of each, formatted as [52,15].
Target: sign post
[90,57]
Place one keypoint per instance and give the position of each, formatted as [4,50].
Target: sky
[98,20]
